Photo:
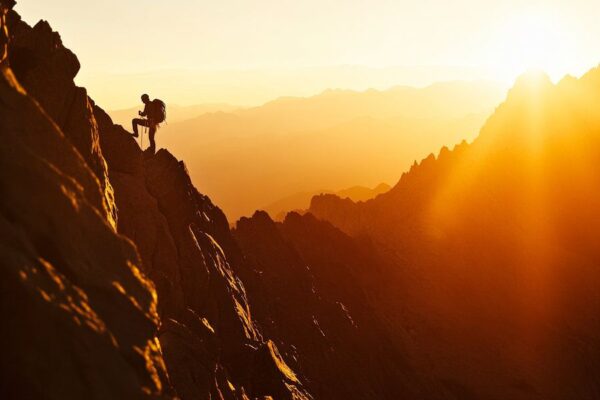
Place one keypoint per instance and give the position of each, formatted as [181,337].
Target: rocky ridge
[96,231]
[80,316]
[320,295]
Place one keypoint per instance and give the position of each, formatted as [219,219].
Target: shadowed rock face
[210,343]
[46,69]
[318,293]
[79,318]
[94,231]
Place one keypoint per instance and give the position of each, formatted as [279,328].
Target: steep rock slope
[46,69]
[503,236]
[79,318]
[71,180]
[211,345]
[319,294]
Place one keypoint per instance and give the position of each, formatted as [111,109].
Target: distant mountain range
[175,113]
[254,86]
[299,202]
[333,140]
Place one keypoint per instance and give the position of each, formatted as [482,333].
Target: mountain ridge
[307,141]
[299,202]
[120,245]
[496,229]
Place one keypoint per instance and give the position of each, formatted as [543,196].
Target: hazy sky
[502,38]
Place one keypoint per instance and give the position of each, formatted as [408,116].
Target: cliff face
[504,234]
[46,69]
[320,295]
[211,345]
[79,317]
[94,231]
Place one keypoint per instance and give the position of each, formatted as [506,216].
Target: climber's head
[145,98]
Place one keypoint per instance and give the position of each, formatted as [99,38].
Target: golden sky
[228,47]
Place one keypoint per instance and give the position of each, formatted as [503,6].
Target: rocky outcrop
[46,69]
[319,294]
[209,339]
[94,232]
[79,317]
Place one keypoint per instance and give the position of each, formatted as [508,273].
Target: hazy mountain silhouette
[175,114]
[254,86]
[295,145]
[502,235]
[300,202]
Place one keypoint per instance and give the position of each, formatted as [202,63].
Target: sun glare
[532,41]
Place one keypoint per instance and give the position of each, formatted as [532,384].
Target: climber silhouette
[155,113]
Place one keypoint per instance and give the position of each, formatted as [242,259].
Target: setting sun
[533,41]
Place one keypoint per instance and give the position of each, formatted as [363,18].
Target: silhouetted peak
[262,217]
[39,47]
[424,163]
[592,77]
[295,218]
[259,222]
[531,83]
[327,198]
[382,188]
[567,80]
[444,152]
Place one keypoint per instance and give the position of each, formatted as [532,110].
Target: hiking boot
[148,153]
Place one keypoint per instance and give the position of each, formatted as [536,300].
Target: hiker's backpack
[159,111]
